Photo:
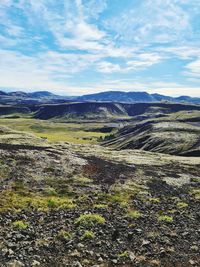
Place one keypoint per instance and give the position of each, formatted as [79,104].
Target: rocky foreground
[72,205]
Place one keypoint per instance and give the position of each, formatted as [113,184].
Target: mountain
[2,93]
[41,94]
[135,97]
[118,96]
[21,97]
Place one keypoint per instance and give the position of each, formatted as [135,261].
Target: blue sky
[76,47]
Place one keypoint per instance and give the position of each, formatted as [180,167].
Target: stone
[100,259]
[35,263]
[78,264]
[15,263]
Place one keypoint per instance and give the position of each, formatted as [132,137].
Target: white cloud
[134,39]
[194,68]
[144,60]
[107,67]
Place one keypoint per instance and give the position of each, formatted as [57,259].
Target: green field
[79,133]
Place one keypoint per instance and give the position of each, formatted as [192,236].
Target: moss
[182,205]
[15,201]
[165,218]
[65,235]
[88,235]
[196,193]
[124,254]
[121,198]
[154,200]
[133,214]
[101,206]
[89,220]
[50,191]
[20,225]
[81,180]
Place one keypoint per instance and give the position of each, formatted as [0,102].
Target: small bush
[165,218]
[88,235]
[20,225]
[89,220]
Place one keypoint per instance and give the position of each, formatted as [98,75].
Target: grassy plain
[79,133]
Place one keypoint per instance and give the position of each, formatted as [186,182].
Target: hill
[177,134]
[92,110]
[81,110]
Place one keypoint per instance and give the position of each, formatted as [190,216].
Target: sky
[75,47]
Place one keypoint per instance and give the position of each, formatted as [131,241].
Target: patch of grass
[172,211]
[154,200]
[165,218]
[20,225]
[101,206]
[88,235]
[90,220]
[56,131]
[50,191]
[195,179]
[11,201]
[81,180]
[122,198]
[124,254]
[196,193]
[133,214]
[65,235]
[182,205]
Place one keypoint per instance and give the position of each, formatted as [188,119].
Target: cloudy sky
[75,47]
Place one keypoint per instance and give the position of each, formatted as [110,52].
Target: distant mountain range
[109,96]
[136,97]
[39,94]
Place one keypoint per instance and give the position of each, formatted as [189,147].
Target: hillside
[81,110]
[85,205]
[10,109]
[92,110]
[178,133]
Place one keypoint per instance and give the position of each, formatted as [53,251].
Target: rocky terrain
[65,204]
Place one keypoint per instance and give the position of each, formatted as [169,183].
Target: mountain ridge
[106,96]
[134,97]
